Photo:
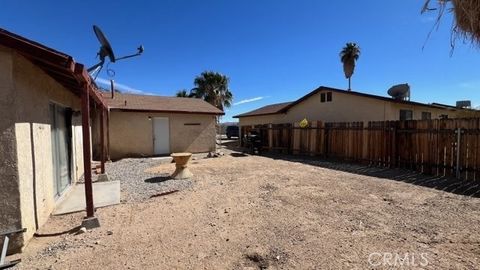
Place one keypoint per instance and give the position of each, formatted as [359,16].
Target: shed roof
[131,102]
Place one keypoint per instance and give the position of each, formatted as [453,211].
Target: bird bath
[181,169]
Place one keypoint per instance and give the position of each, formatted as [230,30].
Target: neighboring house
[145,125]
[41,142]
[334,105]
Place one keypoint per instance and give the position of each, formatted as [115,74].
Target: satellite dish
[400,91]
[106,50]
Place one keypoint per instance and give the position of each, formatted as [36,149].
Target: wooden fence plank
[427,146]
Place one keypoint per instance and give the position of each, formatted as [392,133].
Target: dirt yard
[253,212]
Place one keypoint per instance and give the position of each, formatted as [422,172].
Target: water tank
[400,91]
[464,104]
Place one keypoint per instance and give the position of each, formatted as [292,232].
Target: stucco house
[146,125]
[43,147]
[328,104]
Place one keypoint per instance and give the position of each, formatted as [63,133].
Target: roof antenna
[106,50]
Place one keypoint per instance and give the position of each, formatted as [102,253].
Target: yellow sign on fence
[304,123]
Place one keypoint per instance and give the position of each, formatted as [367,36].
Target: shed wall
[131,133]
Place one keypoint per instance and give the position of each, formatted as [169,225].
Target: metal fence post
[457,167]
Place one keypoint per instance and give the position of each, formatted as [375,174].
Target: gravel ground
[137,180]
[254,212]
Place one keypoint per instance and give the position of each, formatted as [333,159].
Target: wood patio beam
[87,163]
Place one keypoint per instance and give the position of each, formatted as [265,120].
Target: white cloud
[248,100]
[470,85]
[122,87]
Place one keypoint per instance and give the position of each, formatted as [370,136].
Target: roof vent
[464,104]
[400,91]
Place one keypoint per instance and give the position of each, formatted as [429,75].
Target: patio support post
[87,165]
[108,134]
[102,140]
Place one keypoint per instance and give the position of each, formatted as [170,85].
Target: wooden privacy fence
[448,147]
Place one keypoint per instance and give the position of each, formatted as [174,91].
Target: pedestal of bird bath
[181,169]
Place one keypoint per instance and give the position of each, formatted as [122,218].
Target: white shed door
[161,136]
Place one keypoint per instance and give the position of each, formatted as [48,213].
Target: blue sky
[273,51]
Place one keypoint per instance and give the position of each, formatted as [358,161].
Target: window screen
[406,115]
[426,115]
[329,96]
[322,97]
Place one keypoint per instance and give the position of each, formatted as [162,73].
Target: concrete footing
[91,223]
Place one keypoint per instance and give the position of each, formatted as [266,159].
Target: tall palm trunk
[348,68]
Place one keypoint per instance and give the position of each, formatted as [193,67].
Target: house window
[444,116]
[426,115]
[322,97]
[406,115]
[329,96]
[326,97]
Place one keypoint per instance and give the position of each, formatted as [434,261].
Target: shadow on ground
[238,155]
[70,231]
[158,179]
[238,151]
[447,184]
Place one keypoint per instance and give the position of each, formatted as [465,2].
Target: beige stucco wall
[29,94]
[9,192]
[344,108]
[131,133]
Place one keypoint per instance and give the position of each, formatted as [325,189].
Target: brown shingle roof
[130,102]
[265,110]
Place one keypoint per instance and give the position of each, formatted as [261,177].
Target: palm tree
[213,88]
[349,54]
[183,93]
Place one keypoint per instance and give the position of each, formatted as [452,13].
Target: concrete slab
[104,194]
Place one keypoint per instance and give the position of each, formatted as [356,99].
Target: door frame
[68,119]
[153,134]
